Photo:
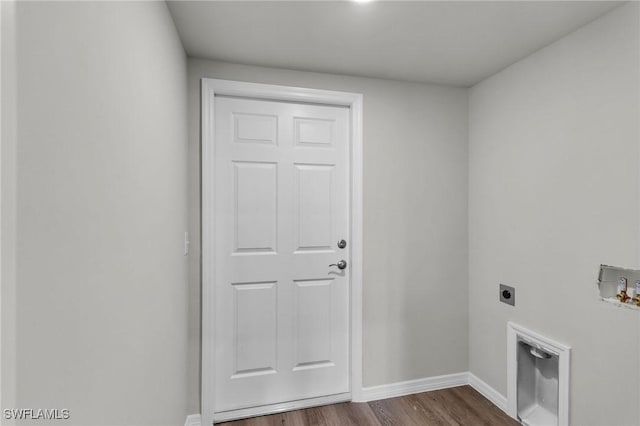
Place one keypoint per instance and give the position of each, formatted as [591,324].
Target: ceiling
[445,42]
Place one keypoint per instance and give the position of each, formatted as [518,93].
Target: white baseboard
[393,390]
[488,392]
[192,420]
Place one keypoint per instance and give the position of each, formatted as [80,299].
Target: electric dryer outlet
[507,295]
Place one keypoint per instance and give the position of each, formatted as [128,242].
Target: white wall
[554,192]
[101,202]
[8,124]
[105,323]
[415,220]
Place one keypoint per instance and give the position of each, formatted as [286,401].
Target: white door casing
[281,185]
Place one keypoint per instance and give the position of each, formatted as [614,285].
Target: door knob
[341,264]
[342,244]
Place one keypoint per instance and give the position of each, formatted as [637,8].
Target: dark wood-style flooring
[454,406]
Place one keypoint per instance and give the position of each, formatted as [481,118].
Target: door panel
[255,328]
[255,207]
[313,209]
[255,128]
[281,205]
[312,324]
[313,132]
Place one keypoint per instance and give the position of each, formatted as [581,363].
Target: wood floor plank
[271,420]
[293,418]
[427,415]
[461,410]
[409,410]
[355,414]
[387,412]
[461,405]
[319,416]
[480,404]
[436,402]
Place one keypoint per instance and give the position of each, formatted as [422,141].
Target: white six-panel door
[281,206]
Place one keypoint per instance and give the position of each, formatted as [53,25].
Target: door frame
[210,88]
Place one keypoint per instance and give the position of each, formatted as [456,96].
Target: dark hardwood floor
[454,406]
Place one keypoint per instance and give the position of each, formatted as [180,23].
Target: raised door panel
[255,207]
[255,329]
[312,324]
[255,128]
[314,205]
[313,132]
